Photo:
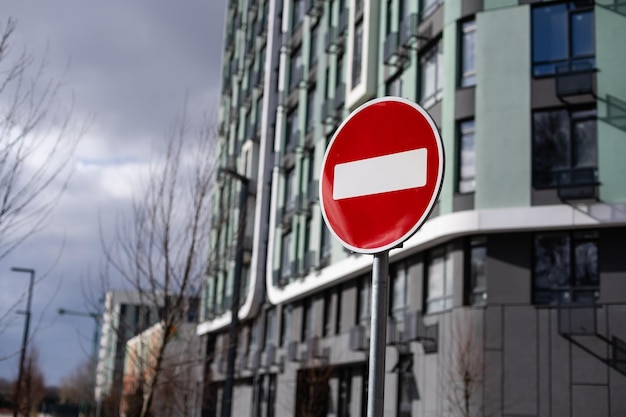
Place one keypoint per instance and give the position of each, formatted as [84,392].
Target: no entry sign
[381,174]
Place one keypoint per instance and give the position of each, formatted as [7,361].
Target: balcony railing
[574,78]
[577,183]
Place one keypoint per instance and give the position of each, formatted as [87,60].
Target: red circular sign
[381,174]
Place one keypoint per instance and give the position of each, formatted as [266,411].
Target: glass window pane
[550,33]
[552,261]
[436,278]
[582,34]
[468,62]
[357,57]
[585,140]
[467,158]
[551,145]
[586,273]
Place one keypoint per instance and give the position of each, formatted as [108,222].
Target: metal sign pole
[380,307]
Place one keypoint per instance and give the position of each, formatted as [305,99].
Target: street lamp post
[24,338]
[233,331]
[94,353]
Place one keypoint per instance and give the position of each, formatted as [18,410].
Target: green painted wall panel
[610,36]
[496,4]
[503,134]
[451,11]
[447,127]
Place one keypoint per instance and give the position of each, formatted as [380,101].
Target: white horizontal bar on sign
[382,174]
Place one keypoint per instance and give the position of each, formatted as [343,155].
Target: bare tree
[32,119]
[77,388]
[161,249]
[38,138]
[33,385]
[464,384]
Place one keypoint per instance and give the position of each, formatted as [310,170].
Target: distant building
[126,314]
[178,392]
[511,299]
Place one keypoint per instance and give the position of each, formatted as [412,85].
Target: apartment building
[126,314]
[511,299]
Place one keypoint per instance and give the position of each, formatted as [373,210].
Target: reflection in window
[285,325]
[270,326]
[467,158]
[357,54]
[285,264]
[292,132]
[393,87]
[431,70]
[439,280]
[429,6]
[564,142]
[468,54]
[364,300]
[398,300]
[407,390]
[477,271]
[566,267]
[563,37]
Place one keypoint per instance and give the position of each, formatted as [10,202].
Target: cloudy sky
[130,65]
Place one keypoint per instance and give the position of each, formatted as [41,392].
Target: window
[285,325]
[466,181]
[357,54]
[364,300]
[285,264]
[393,87]
[298,13]
[338,313]
[292,132]
[307,320]
[295,68]
[564,146]
[313,48]
[562,37]
[290,199]
[328,299]
[468,53]
[439,280]
[406,386]
[310,110]
[477,271]
[429,6]
[431,70]
[398,302]
[566,267]
[270,325]
[344,395]
[325,249]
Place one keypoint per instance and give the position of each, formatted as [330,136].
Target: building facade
[511,299]
[126,314]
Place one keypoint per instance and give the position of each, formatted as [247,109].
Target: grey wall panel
[612,266]
[416,286]
[508,263]
[520,361]
[543,364]
[560,370]
[493,383]
[493,328]
[590,400]
[586,368]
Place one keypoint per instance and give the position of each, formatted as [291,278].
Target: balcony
[393,53]
[313,8]
[332,42]
[615,112]
[574,78]
[340,96]
[577,183]
[409,35]
[329,115]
